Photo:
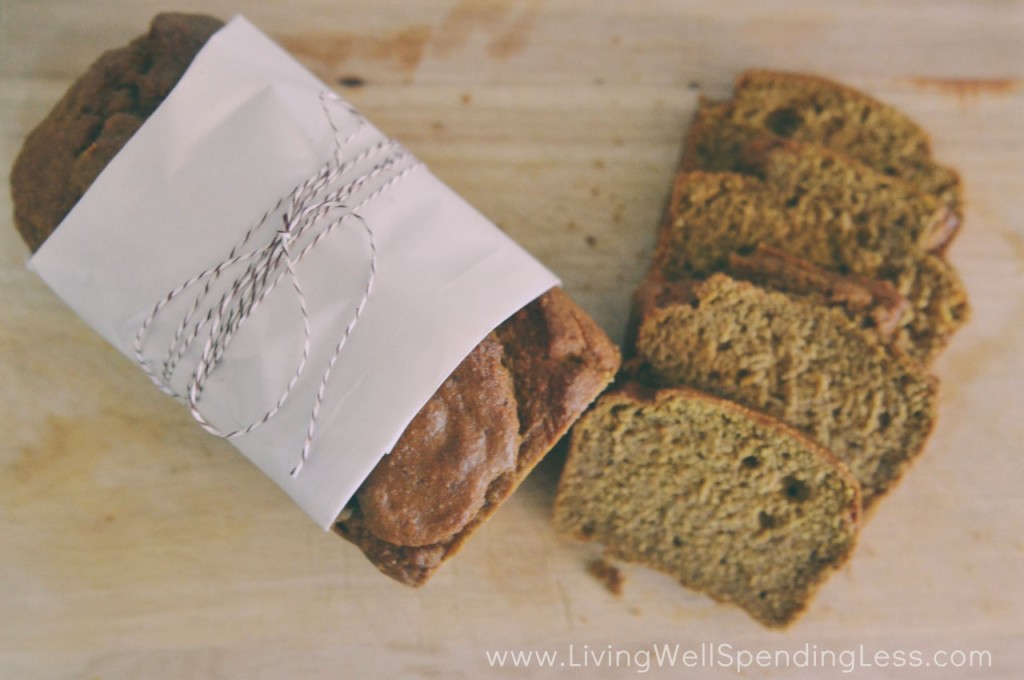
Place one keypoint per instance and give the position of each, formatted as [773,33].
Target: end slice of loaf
[729,502]
[799,361]
[817,110]
[712,216]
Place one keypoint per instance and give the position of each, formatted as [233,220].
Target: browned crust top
[97,116]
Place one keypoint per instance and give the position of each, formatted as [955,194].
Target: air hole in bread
[783,122]
[795,489]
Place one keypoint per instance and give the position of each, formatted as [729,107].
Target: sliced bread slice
[872,303]
[886,213]
[817,110]
[797,360]
[881,307]
[728,501]
[713,216]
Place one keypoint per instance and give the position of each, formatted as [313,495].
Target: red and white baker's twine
[266,266]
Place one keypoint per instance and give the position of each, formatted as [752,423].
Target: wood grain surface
[132,545]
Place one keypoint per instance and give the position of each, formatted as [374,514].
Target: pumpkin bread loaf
[728,501]
[469,447]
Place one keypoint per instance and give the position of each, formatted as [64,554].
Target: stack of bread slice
[778,384]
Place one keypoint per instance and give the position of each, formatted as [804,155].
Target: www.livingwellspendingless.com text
[708,655]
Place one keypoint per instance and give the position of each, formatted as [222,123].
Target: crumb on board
[351,81]
[608,574]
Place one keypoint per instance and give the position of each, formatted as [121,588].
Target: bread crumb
[608,574]
[351,81]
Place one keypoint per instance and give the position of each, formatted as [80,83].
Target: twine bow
[312,211]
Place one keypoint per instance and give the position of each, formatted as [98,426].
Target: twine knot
[324,202]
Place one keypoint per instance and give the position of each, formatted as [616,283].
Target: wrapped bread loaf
[472,443]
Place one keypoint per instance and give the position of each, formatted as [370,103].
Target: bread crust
[96,117]
[559,360]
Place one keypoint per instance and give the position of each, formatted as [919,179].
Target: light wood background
[134,546]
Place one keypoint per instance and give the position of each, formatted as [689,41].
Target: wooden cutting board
[132,545]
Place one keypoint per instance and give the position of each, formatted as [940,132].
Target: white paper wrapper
[246,125]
